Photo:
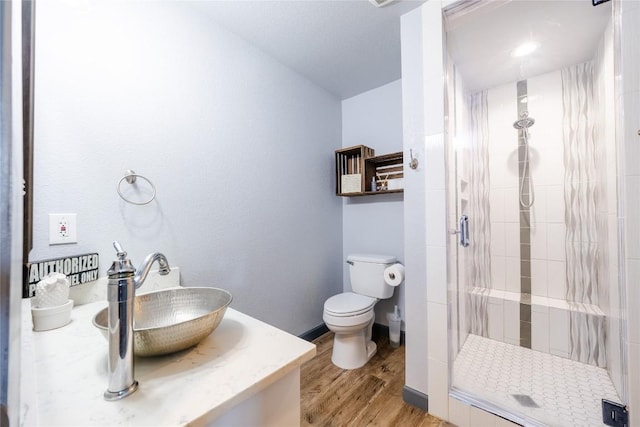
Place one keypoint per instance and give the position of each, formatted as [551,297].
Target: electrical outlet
[62,229]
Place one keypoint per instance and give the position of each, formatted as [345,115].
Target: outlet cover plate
[62,229]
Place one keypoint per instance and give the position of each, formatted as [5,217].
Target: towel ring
[131,177]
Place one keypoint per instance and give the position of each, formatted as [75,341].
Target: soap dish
[45,319]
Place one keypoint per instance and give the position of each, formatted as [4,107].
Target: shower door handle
[463,230]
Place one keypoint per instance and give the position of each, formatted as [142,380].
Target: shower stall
[535,318]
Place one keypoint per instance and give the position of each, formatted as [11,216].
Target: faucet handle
[121,252]
[122,266]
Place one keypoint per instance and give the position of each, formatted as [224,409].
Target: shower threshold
[533,386]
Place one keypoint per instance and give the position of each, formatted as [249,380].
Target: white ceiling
[349,46]
[480,41]
[345,46]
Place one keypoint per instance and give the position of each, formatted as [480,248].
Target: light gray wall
[239,147]
[374,224]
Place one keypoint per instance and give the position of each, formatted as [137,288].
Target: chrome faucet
[124,279]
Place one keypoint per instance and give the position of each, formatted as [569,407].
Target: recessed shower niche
[535,299]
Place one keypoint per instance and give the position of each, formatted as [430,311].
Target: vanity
[245,373]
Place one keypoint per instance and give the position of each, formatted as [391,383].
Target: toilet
[350,314]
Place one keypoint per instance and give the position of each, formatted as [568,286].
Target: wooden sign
[78,269]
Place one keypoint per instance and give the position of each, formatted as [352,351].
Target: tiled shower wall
[607,214]
[526,197]
[527,245]
[547,232]
[527,300]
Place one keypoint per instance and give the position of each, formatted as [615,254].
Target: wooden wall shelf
[356,167]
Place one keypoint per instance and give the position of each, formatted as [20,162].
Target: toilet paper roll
[394,275]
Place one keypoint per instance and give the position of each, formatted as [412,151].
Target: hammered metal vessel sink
[172,319]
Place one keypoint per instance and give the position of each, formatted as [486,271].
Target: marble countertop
[64,373]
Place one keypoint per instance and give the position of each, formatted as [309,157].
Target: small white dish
[45,319]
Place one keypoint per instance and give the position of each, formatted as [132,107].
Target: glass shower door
[535,321]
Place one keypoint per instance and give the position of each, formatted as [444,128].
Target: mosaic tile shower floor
[551,389]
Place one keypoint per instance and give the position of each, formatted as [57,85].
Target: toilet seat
[348,304]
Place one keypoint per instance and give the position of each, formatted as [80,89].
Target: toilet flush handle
[349,262]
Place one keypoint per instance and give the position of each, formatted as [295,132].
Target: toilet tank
[366,274]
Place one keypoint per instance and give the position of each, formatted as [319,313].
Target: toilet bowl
[350,315]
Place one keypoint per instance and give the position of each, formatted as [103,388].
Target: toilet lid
[349,304]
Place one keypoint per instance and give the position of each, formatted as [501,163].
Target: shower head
[524,122]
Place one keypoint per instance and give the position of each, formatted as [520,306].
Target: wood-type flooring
[369,396]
